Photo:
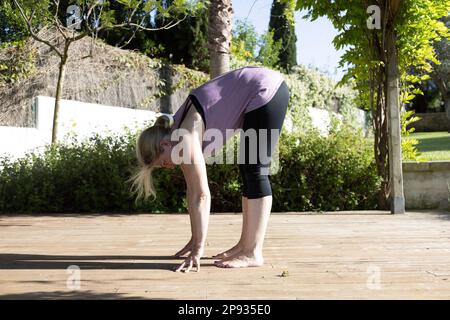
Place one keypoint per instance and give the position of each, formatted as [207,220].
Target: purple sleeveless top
[225,100]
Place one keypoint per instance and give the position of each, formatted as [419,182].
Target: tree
[248,45]
[428,101]
[90,18]
[219,36]
[269,50]
[441,70]
[244,41]
[282,25]
[198,49]
[384,39]
[12,26]
[186,42]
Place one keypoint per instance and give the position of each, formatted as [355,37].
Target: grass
[433,145]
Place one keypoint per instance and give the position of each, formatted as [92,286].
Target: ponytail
[147,151]
[142,183]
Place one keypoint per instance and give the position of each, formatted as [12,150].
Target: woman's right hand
[187,248]
[192,260]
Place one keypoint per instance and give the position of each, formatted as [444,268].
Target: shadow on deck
[307,256]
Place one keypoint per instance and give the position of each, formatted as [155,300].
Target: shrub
[409,149]
[16,63]
[334,172]
[86,176]
[248,47]
[316,173]
[448,185]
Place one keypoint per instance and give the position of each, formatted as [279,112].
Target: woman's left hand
[193,259]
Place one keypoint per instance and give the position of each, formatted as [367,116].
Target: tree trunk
[379,118]
[219,36]
[59,90]
[396,195]
[381,143]
[447,109]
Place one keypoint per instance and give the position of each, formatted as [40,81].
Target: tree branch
[30,29]
[439,82]
[140,27]
[58,26]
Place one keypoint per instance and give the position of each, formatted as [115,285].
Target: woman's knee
[257,182]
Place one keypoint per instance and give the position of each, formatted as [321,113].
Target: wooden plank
[128,256]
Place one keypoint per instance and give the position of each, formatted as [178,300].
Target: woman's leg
[258,189]
[257,218]
[251,252]
[238,247]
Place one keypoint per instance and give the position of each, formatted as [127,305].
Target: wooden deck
[325,256]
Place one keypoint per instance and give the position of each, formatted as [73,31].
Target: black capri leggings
[254,174]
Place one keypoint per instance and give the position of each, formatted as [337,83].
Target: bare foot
[241,260]
[229,253]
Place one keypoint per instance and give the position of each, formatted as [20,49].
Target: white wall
[321,119]
[86,118]
[81,118]
[15,141]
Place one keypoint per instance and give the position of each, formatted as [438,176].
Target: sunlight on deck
[307,257]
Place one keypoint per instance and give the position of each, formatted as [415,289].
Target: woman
[250,98]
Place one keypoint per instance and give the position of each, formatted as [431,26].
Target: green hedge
[316,173]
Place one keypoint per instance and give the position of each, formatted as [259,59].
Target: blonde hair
[148,150]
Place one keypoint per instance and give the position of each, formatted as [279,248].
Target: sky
[314,39]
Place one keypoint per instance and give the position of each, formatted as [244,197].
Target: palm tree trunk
[219,36]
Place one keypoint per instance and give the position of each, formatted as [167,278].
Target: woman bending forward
[251,99]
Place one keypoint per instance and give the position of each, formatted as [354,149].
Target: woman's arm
[198,195]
